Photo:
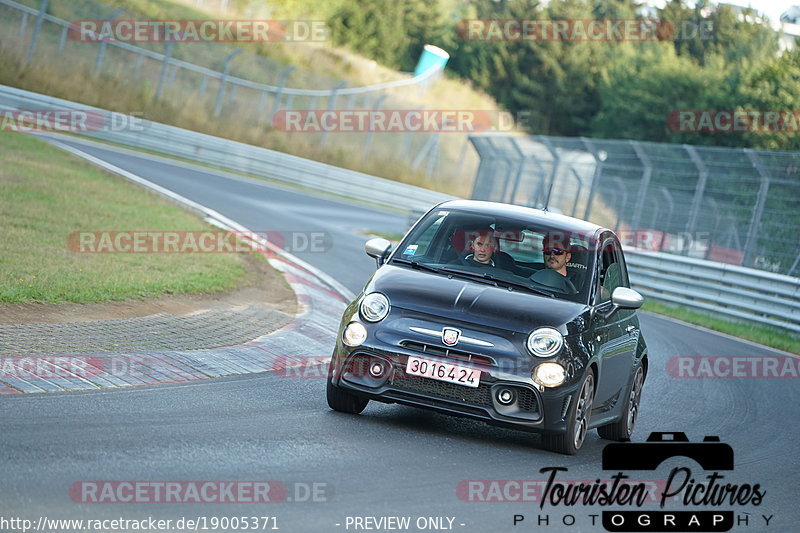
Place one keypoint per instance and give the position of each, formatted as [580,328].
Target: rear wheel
[622,429]
[343,401]
[580,413]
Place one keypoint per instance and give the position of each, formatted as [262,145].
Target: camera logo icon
[711,454]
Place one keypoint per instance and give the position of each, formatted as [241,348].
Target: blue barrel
[432,57]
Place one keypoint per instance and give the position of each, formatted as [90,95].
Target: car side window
[612,270]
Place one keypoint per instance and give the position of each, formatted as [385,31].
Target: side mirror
[625,298]
[378,248]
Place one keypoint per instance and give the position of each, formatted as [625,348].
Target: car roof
[527,214]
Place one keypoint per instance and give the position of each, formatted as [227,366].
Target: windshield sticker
[411,250]
[443,213]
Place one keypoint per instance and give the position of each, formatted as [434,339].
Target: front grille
[480,396]
[526,399]
[431,349]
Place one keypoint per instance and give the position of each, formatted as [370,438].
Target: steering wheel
[554,281]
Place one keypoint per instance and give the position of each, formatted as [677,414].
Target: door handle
[630,329]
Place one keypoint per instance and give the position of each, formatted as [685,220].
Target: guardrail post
[223,80]
[643,185]
[331,104]
[164,65]
[691,223]
[203,85]
[101,50]
[755,220]
[36,29]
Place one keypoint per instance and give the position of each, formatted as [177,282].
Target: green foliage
[708,56]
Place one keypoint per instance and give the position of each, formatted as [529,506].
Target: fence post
[698,194]
[23,24]
[643,185]
[101,50]
[598,171]
[164,66]
[579,191]
[553,170]
[223,79]
[331,104]
[203,85]
[36,29]
[517,175]
[137,65]
[370,134]
[623,194]
[281,83]
[755,220]
[62,40]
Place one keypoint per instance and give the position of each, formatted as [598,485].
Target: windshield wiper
[416,264]
[496,280]
[484,276]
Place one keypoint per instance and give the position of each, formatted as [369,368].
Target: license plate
[427,368]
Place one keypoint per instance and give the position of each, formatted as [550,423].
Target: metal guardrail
[728,291]
[240,157]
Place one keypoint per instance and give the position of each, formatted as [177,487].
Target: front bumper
[531,409]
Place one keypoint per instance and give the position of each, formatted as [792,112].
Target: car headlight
[545,342]
[374,307]
[354,334]
[549,374]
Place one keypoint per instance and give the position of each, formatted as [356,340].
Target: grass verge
[765,335]
[45,195]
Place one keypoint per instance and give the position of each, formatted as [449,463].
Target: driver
[555,250]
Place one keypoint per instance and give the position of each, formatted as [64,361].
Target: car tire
[343,401]
[622,429]
[578,418]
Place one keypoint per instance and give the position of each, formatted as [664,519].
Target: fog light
[549,374]
[376,370]
[354,334]
[505,396]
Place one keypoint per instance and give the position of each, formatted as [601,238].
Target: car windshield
[502,251]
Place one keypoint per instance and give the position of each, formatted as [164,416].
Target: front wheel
[580,414]
[622,429]
[343,401]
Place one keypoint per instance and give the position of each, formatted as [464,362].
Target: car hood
[472,302]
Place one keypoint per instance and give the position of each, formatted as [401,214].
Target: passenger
[485,254]
[483,246]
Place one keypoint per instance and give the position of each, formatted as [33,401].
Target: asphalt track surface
[389,461]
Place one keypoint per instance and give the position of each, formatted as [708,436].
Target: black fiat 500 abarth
[514,316]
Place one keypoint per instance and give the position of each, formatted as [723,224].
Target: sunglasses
[553,251]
